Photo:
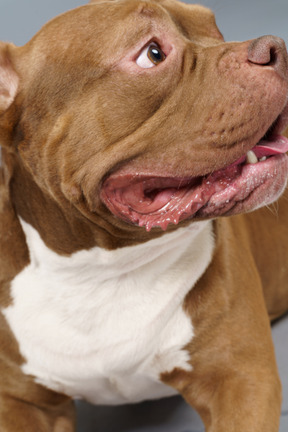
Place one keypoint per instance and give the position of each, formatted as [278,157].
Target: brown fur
[61,137]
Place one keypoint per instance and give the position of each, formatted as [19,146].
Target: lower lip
[228,191]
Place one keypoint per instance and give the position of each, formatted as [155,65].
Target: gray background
[238,20]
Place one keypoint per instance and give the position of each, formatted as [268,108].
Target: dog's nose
[269,51]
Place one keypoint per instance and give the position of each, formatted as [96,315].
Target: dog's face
[139,110]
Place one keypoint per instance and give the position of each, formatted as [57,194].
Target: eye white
[150,56]
[143,60]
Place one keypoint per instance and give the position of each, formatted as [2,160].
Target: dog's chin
[256,179]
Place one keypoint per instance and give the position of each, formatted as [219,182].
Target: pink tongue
[269,148]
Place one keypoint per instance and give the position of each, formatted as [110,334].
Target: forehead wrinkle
[154,11]
[153,20]
[148,9]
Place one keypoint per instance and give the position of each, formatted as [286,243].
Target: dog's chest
[104,325]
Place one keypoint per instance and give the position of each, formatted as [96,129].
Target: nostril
[273,56]
[269,51]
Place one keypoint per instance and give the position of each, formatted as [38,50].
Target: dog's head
[138,115]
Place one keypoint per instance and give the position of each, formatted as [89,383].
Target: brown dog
[127,129]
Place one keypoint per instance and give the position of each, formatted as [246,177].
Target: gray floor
[19,20]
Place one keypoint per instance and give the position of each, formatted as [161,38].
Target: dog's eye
[150,56]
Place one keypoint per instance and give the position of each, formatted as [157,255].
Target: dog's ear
[8,78]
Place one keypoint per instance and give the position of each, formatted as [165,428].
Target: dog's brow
[146,10]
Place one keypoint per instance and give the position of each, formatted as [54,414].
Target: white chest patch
[103,325]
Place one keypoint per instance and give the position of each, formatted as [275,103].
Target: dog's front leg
[25,416]
[231,398]
[234,382]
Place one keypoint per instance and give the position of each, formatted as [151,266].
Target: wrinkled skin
[205,88]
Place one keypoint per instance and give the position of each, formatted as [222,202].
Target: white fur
[103,325]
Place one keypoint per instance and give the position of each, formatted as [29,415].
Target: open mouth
[257,178]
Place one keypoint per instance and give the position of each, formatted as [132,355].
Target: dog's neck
[62,231]
[106,264]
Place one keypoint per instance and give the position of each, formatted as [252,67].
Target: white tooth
[263,159]
[251,158]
